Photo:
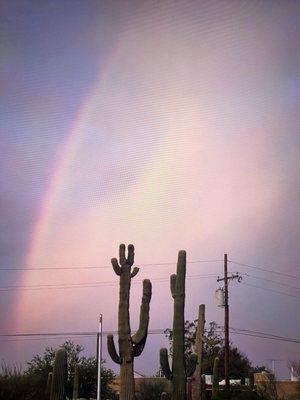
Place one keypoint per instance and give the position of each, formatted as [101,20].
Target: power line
[270,280]
[265,269]
[271,290]
[91,284]
[99,267]
[159,331]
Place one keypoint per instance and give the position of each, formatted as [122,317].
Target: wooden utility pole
[226,324]
[226,278]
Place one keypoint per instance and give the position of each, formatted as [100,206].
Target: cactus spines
[76,383]
[215,382]
[129,346]
[178,374]
[59,376]
[198,394]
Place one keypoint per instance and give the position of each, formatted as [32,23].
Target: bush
[151,388]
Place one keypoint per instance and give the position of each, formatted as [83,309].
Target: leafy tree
[240,365]
[40,366]
[31,384]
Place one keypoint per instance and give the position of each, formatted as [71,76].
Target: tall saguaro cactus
[59,376]
[129,346]
[198,393]
[180,371]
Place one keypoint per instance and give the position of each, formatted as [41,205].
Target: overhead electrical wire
[99,267]
[91,284]
[271,290]
[270,280]
[61,335]
[264,269]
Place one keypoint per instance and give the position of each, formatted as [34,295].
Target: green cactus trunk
[48,387]
[76,383]
[178,294]
[129,346]
[198,393]
[180,369]
[59,377]
[215,382]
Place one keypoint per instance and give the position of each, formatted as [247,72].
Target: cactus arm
[181,272]
[112,349]
[173,279]
[130,258]
[191,364]
[139,347]
[144,313]
[164,363]
[122,256]
[134,272]
[116,266]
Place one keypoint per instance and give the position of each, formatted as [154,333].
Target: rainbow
[63,164]
[65,159]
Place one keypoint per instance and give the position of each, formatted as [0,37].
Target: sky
[170,125]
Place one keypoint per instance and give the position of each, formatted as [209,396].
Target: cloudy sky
[170,125]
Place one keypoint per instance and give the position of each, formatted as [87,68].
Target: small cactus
[59,377]
[76,383]
[164,396]
[48,387]
[215,382]
[199,389]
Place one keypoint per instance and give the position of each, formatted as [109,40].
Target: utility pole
[99,357]
[226,278]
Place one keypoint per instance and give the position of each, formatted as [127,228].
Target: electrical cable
[264,269]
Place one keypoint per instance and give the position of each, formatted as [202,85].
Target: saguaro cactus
[215,382]
[199,390]
[129,346]
[76,383]
[59,376]
[180,371]
[48,387]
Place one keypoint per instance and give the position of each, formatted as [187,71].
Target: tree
[40,366]
[240,365]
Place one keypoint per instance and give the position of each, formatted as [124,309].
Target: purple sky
[169,125]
